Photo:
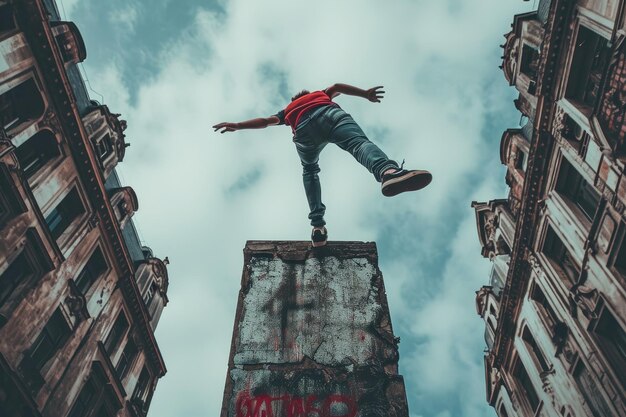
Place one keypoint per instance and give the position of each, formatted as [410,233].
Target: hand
[226,127]
[374,94]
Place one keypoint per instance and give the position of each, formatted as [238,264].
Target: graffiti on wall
[265,405]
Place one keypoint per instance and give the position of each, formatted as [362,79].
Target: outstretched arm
[373,94]
[258,123]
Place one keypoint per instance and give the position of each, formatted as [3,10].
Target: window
[591,392]
[52,337]
[10,199]
[22,104]
[22,272]
[150,292]
[117,333]
[534,349]
[526,385]
[591,56]
[539,297]
[64,213]
[96,398]
[571,130]
[561,259]
[572,185]
[521,160]
[620,258]
[7,23]
[95,267]
[126,360]
[104,147]
[612,340]
[121,208]
[18,272]
[141,389]
[530,61]
[37,151]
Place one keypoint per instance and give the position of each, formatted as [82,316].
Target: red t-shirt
[296,109]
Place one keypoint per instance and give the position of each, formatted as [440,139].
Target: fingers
[376,94]
[225,126]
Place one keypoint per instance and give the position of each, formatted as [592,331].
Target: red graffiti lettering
[292,406]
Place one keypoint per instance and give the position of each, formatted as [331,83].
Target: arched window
[21,105]
[37,151]
[535,351]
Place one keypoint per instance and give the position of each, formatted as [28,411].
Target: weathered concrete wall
[313,335]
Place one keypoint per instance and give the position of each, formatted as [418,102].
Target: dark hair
[300,94]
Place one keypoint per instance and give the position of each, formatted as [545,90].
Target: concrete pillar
[312,335]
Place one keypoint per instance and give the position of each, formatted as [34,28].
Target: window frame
[77,221]
[525,399]
[10,198]
[18,126]
[561,187]
[591,25]
[615,248]
[100,399]
[38,258]
[127,359]
[113,349]
[83,270]
[50,164]
[589,399]
[33,371]
[556,265]
[14,29]
[616,366]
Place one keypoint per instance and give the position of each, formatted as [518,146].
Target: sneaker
[405,180]
[319,237]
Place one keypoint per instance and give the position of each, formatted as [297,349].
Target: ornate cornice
[534,184]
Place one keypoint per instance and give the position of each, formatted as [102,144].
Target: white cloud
[125,17]
[432,57]
[68,7]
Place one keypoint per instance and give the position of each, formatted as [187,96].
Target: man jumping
[315,121]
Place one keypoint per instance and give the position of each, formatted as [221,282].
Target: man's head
[300,94]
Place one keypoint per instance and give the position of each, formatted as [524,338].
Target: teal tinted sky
[175,67]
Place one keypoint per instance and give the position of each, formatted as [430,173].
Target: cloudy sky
[175,67]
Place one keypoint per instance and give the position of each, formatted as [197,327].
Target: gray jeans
[330,124]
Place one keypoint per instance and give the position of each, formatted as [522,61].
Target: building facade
[80,297]
[313,335]
[555,306]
